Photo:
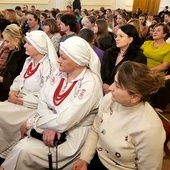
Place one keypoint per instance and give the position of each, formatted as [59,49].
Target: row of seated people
[75,56]
[68,102]
[103,38]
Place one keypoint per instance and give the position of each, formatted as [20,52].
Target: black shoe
[1,160]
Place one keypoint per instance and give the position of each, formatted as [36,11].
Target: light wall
[61,4]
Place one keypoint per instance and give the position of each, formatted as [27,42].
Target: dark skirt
[96,164]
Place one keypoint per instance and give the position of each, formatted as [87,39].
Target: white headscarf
[43,45]
[81,53]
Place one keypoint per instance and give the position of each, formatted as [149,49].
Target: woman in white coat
[23,96]
[68,103]
[127,132]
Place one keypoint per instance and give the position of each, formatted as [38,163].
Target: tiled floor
[166,163]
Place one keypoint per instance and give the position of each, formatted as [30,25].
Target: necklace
[29,72]
[57,97]
[156,45]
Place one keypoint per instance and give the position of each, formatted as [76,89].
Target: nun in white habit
[23,96]
[68,103]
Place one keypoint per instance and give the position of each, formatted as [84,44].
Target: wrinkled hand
[80,165]
[49,136]
[15,98]
[23,129]
[106,88]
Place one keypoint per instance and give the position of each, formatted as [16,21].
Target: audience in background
[76,5]
[25,8]
[84,13]
[20,14]
[137,13]
[89,22]
[149,35]
[167,18]
[68,25]
[103,38]
[51,29]
[32,21]
[163,12]
[11,15]
[143,26]
[89,36]
[121,19]
[43,17]
[149,19]
[33,9]
[136,23]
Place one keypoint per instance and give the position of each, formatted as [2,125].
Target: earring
[17,48]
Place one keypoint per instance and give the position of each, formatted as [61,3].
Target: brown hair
[12,14]
[102,30]
[135,22]
[165,28]
[91,18]
[137,78]
[53,28]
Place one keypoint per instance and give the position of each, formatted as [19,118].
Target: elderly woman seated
[23,96]
[68,104]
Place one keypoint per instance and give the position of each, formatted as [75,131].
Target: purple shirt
[99,52]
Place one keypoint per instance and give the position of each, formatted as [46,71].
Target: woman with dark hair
[127,132]
[43,17]
[121,19]
[143,26]
[149,35]
[31,24]
[69,26]
[127,48]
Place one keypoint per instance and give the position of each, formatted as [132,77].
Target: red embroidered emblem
[81,94]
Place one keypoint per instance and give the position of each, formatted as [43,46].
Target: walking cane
[56,146]
[50,163]
[57,142]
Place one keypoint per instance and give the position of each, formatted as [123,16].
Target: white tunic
[74,116]
[126,138]
[12,115]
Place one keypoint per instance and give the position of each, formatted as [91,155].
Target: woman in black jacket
[14,41]
[127,48]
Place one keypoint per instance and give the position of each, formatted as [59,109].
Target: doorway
[146,6]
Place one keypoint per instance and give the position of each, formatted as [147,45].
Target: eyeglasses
[120,36]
